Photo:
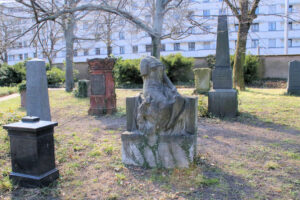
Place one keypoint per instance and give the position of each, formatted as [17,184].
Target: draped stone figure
[161,124]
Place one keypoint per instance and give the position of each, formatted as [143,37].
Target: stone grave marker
[222,99]
[37,98]
[294,78]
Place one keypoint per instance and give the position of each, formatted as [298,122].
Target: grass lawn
[7,90]
[255,156]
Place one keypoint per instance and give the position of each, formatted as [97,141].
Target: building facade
[266,35]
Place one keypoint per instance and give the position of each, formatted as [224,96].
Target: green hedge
[178,67]
[250,66]
[11,75]
[55,76]
[127,72]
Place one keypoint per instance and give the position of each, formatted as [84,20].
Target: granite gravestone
[161,124]
[294,78]
[222,99]
[103,96]
[37,99]
[32,152]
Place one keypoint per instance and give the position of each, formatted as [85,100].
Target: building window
[272,26]
[121,35]
[35,55]
[254,43]
[11,57]
[206,14]
[20,44]
[236,27]
[272,9]
[135,49]
[255,27]
[25,44]
[176,46]
[163,47]
[272,43]
[290,25]
[20,56]
[206,45]
[290,8]
[97,51]
[85,52]
[75,53]
[206,29]
[191,46]
[222,11]
[148,48]
[26,56]
[205,1]
[257,11]
[122,50]
[290,43]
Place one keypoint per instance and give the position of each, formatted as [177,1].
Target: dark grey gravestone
[37,99]
[32,152]
[222,100]
[222,73]
[97,84]
[294,78]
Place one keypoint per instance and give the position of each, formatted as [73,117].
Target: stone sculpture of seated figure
[161,124]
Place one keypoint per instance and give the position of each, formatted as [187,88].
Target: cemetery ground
[255,156]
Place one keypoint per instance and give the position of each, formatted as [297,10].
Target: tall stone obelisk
[222,99]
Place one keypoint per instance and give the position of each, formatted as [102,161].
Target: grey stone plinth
[32,152]
[167,151]
[37,99]
[223,102]
[222,78]
[294,78]
[202,79]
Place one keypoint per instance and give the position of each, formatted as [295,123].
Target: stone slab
[294,78]
[222,78]
[202,80]
[223,102]
[37,98]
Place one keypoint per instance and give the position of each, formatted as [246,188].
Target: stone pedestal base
[223,102]
[166,151]
[101,105]
[26,180]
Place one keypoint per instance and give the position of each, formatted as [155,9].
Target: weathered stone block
[202,79]
[32,152]
[294,78]
[223,103]
[37,98]
[83,89]
[168,151]
[222,78]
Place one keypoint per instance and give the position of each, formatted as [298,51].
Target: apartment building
[266,36]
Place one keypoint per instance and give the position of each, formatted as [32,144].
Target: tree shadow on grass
[208,182]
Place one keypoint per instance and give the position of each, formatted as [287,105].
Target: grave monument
[294,78]
[32,152]
[202,80]
[37,98]
[222,99]
[161,124]
[103,96]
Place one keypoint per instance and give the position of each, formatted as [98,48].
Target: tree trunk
[155,47]
[109,50]
[240,53]
[69,37]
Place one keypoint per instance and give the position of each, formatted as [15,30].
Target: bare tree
[48,38]
[160,9]
[244,11]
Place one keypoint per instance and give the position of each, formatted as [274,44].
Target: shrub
[75,75]
[211,61]
[127,72]
[251,68]
[22,86]
[178,67]
[12,74]
[55,76]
